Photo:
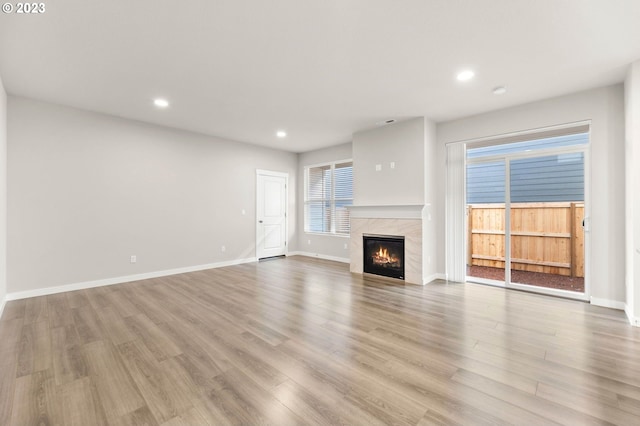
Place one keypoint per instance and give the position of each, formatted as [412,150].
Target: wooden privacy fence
[545,237]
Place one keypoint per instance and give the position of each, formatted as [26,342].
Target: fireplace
[384,255]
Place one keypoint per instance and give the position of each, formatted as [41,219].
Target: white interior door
[271,214]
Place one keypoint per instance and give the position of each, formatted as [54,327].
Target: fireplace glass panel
[384,256]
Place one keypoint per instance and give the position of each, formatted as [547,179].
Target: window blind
[343,196]
[329,190]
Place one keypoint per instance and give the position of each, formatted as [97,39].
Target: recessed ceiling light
[161,103]
[465,75]
[281,134]
[500,90]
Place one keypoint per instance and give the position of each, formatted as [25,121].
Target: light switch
[378,167]
[392,165]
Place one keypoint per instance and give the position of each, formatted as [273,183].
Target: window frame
[331,200]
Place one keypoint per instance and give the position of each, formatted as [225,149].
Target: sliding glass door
[525,214]
[486,220]
[547,210]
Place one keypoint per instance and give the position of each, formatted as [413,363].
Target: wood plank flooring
[302,341]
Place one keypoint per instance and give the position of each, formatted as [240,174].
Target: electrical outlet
[244,212]
[223,249]
[378,167]
[134,259]
[392,165]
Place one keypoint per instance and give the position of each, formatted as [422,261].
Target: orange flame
[382,256]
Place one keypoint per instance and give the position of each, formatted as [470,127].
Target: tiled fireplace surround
[400,220]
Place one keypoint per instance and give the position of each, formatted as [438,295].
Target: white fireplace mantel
[396,211]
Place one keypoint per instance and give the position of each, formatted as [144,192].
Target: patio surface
[532,278]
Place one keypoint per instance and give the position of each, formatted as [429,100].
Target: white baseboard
[633,320]
[434,277]
[320,256]
[607,303]
[123,279]
[2,303]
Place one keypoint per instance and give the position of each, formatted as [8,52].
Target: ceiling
[320,70]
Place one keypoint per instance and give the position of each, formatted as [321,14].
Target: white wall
[632,146]
[605,107]
[401,143]
[87,191]
[3,196]
[326,246]
[431,220]
[412,146]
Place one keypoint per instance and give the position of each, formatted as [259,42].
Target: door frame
[586,150]
[285,175]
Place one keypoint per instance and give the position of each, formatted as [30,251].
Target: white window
[328,192]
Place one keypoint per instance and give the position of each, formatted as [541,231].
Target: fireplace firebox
[384,255]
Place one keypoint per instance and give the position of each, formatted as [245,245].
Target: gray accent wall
[321,245]
[3,196]
[605,108]
[87,191]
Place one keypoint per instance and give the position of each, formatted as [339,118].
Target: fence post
[572,239]
[469,235]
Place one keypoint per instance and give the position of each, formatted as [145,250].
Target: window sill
[327,234]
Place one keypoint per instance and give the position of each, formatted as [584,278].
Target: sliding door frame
[507,158]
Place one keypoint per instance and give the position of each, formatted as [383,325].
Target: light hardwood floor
[302,341]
